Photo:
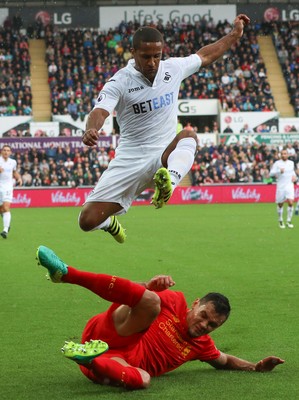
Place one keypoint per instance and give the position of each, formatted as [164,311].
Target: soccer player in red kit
[147,331]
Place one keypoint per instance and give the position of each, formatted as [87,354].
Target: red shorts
[102,327]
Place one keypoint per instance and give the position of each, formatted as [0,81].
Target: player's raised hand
[239,24]
[160,282]
[90,137]
[268,363]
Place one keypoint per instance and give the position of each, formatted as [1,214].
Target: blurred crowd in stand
[15,83]
[234,163]
[63,167]
[286,39]
[81,61]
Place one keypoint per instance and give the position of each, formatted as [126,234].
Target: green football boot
[84,353]
[48,259]
[163,188]
[116,230]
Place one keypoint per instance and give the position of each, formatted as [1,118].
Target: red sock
[109,287]
[119,374]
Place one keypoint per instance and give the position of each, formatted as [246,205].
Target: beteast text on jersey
[153,104]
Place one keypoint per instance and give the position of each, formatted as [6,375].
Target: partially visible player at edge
[8,172]
[145,96]
[147,331]
[284,171]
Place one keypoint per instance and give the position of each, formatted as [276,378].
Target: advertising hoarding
[259,122]
[63,17]
[260,12]
[272,139]
[112,16]
[68,197]
[27,143]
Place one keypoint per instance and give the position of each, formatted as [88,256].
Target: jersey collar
[133,70]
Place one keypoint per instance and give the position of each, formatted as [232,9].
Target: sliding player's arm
[229,362]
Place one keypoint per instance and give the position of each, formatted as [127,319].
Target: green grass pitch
[234,249]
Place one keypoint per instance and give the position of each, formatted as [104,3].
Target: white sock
[290,213]
[104,225]
[6,220]
[280,213]
[181,160]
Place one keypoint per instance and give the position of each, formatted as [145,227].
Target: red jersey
[166,344]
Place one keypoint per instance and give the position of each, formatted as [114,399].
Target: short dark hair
[146,34]
[220,302]
[6,145]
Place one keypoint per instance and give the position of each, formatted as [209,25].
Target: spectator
[246,129]
[103,159]
[27,178]
[72,109]
[215,127]
[228,129]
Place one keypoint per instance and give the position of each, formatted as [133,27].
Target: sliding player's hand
[268,363]
[159,283]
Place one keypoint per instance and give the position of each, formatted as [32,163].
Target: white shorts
[6,195]
[285,194]
[127,175]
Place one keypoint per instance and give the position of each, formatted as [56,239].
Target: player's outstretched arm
[212,52]
[95,121]
[229,362]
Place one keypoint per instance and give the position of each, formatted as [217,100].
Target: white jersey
[147,112]
[284,180]
[6,176]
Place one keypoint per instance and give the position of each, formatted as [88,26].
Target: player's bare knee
[85,222]
[186,133]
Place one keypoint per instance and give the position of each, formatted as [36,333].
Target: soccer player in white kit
[144,95]
[284,172]
[8,172]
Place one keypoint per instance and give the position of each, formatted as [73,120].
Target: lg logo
[276,14]
[63,19]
